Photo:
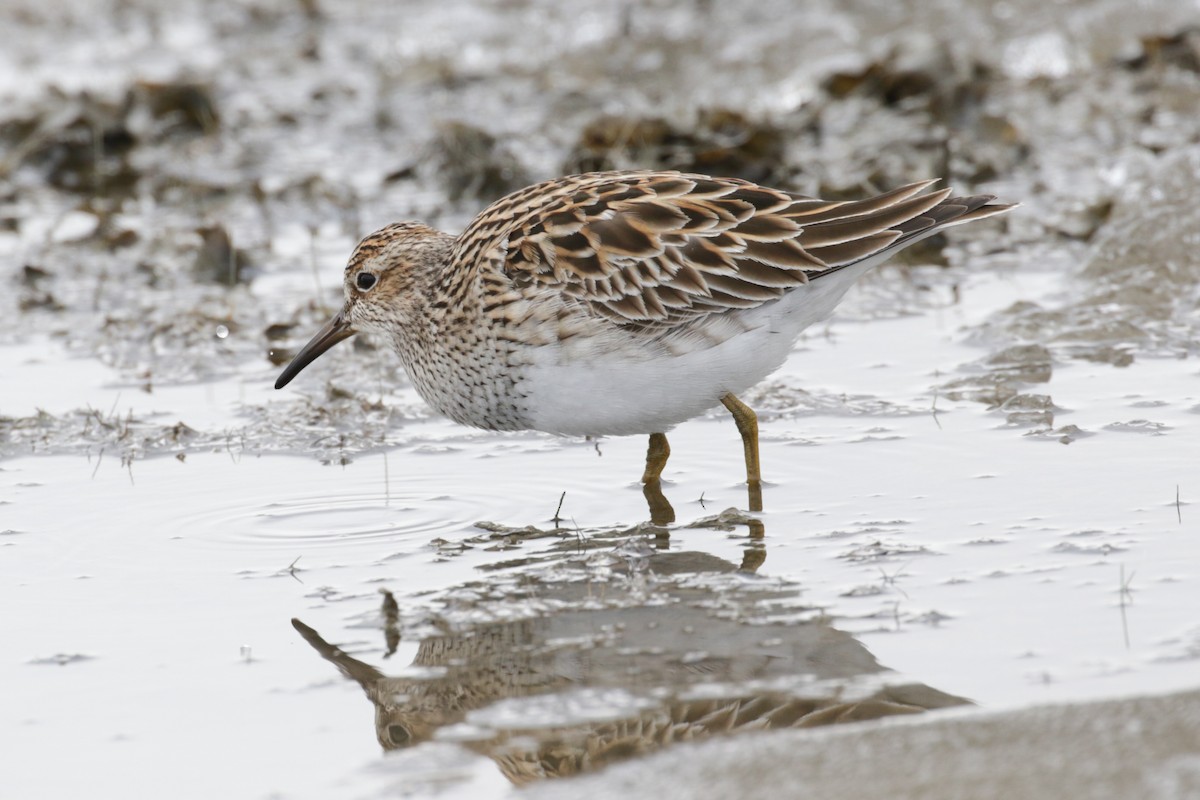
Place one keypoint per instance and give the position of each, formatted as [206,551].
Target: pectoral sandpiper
[618,303]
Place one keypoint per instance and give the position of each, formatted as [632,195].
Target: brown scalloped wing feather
[661,249]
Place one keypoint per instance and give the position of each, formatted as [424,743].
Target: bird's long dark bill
[334,331]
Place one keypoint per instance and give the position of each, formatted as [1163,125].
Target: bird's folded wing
[661,249]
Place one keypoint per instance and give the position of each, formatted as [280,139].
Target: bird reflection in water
[597,673]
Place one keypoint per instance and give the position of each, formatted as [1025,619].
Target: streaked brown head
[380,280]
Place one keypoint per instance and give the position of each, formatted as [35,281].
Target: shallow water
[156,596]
[981,480]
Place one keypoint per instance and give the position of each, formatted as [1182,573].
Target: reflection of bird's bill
[334,331]
[360,672]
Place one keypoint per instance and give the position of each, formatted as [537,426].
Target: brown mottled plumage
[621,302]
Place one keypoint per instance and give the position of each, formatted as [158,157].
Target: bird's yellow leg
[659,451]
[747,425]
[656,457]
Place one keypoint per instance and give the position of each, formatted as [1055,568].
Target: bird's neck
[449,348]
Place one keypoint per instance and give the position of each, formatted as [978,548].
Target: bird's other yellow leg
[659,451]
[656,457]
[747,425]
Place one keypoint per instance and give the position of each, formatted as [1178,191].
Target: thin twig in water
[99,458]
[890,580]
[1125,598]
[387,482]
[556,518]
[1178,510]
[313,262]
[291,569]
[934,409]
[702,500]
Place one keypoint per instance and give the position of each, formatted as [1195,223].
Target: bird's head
[382,282]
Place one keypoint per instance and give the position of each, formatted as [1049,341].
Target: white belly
[619,386]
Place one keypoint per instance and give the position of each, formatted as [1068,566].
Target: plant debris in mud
[334,432]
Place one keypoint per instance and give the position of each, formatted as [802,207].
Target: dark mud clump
[471,164]
[720,142]
[85,143]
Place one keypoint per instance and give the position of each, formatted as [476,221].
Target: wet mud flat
[981,472]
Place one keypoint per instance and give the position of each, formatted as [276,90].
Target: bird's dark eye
[365,280]
[398,734]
